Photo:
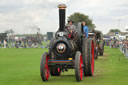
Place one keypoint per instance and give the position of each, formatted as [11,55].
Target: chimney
[62,8]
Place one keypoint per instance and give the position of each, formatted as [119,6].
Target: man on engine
[85,29]
[71,29]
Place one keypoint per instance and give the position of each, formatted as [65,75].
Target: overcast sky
[22,15]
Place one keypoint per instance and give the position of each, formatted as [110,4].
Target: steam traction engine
[66,53]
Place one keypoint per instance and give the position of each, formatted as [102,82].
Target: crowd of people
[114,43]
[121,44]
[18,44]
[21,43]
[3,44]
[124,47]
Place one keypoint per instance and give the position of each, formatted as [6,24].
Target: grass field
[22,67]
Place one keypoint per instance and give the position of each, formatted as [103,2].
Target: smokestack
[62,8]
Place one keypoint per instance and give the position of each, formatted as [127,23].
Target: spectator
[5,43]
[20,43]
[17,44]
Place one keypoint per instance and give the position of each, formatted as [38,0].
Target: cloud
[21,15]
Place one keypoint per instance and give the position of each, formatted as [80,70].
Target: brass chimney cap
[62,6]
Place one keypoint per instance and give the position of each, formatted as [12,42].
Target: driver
[71,29]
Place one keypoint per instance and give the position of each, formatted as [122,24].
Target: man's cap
[70,20]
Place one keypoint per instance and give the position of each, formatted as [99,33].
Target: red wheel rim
[47,70]
[81,68]
[92,53]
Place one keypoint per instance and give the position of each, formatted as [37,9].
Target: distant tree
[7,31]
[10,31]
[98,31]
[79,17]
[114,30]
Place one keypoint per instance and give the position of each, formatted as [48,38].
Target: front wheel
[102,50]
[78,66]
[44,68]
[96,54]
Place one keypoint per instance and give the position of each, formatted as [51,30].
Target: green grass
[22,67]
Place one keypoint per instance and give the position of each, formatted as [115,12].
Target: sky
[23,16]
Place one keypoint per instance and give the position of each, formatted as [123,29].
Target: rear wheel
[44,68]
[91,69]
[88,55]
[85,55]
[78,66]
[51,46]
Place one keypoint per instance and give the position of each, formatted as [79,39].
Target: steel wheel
[88,57]
[44,68]
[78,66]
[92,60]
